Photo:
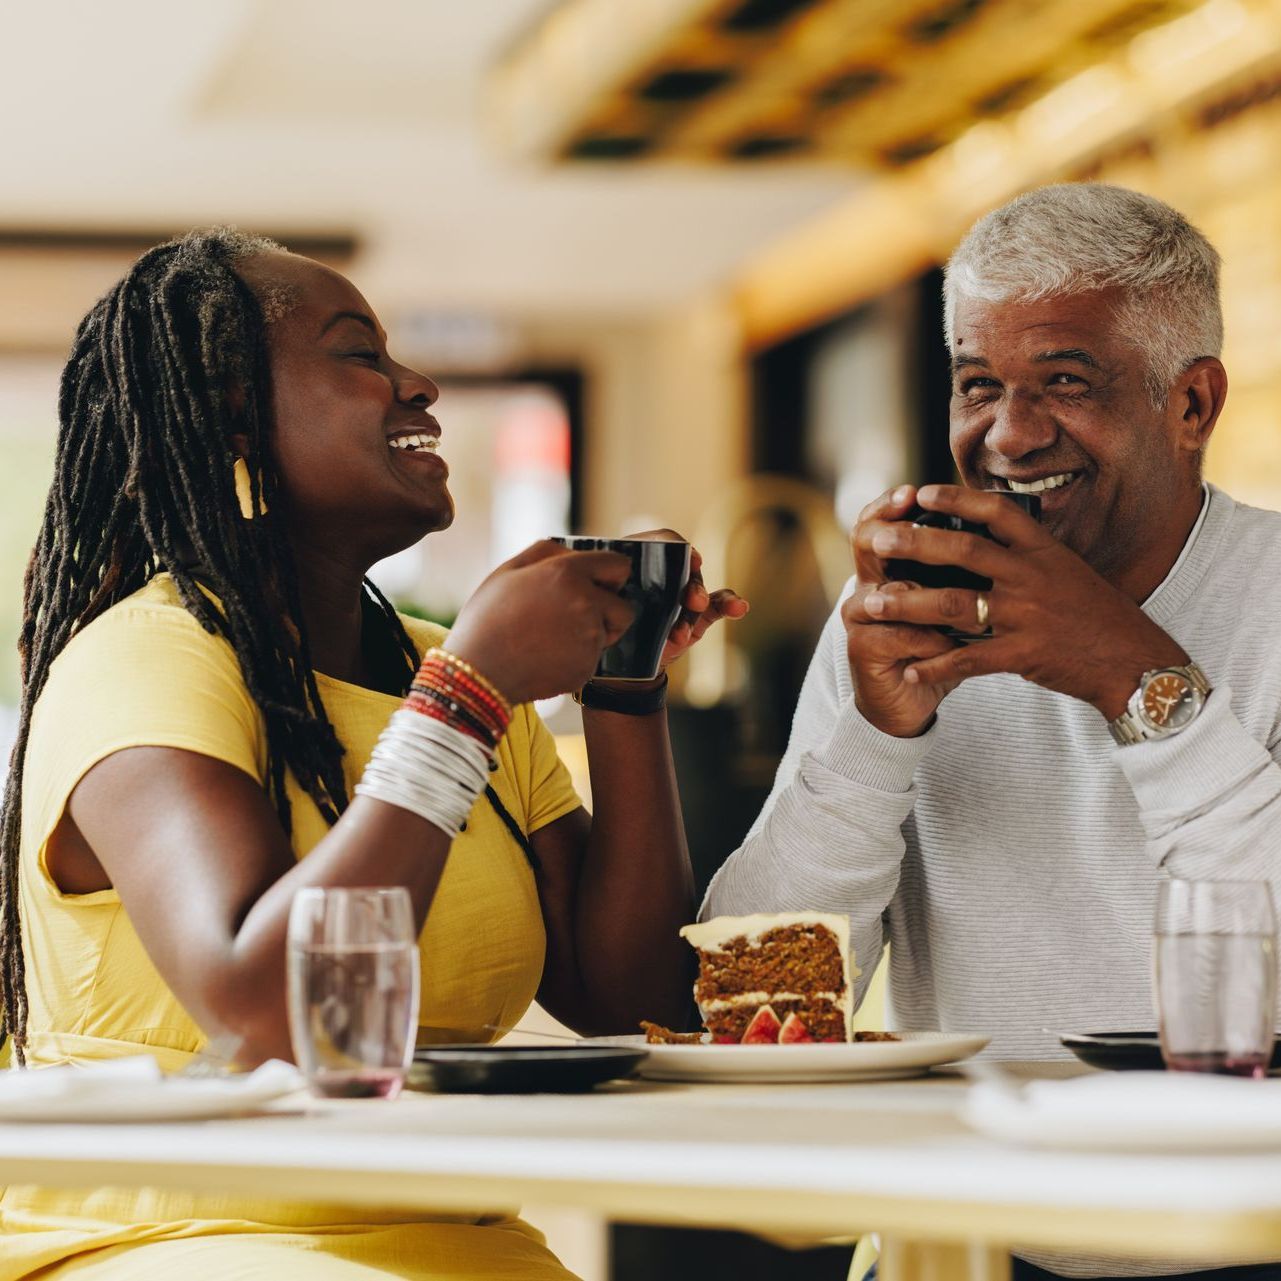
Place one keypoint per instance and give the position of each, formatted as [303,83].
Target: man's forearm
[1209,798]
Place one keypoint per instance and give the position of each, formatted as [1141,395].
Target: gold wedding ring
[981,609]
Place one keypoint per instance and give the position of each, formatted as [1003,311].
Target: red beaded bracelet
[449,689]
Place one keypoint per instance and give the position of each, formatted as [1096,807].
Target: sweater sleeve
[1210,798]
[830,834]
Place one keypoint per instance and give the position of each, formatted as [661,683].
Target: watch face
[1168,701]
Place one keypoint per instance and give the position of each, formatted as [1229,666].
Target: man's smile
[1042,483]
[1056,489]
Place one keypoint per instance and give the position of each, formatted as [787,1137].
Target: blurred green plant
[413,610]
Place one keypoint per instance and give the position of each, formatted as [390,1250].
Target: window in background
[509,450]
[862,434]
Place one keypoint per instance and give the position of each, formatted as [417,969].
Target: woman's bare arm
[616,887]
[207,876]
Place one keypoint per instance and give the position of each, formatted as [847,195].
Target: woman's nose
[414,388]
[1021,425]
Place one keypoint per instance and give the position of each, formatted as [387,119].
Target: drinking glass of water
[1216,976]
[353,989]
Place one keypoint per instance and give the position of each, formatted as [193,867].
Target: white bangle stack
[428,768]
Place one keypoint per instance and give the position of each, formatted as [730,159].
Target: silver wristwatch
[1168,700]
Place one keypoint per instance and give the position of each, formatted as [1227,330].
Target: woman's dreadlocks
[163,369]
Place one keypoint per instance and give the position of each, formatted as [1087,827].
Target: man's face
[1046,394]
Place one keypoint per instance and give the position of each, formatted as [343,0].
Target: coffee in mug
[660,572]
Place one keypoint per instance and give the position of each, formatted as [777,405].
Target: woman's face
[352,438]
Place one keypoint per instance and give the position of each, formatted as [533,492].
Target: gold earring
[244,490]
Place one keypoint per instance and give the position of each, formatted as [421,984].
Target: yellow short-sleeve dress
[145,673]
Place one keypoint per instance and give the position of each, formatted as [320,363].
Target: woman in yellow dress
[207,672]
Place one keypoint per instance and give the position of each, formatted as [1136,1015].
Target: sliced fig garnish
[793,1031]
[764,1028]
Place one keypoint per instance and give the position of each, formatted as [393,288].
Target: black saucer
[1129,1051]
[524,1069]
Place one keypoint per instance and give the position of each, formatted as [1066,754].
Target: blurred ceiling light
[1087,100]
[1221,39]
[1173,46]
[978,156]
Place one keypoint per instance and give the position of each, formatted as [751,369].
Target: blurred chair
[779,535]
[777,542]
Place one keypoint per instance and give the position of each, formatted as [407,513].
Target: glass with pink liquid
[353,989]
[1215,969]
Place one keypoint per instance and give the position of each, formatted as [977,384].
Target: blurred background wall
[673,262]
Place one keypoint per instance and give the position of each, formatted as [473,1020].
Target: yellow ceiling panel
[872,83]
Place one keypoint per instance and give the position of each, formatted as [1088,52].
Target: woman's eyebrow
[359,316]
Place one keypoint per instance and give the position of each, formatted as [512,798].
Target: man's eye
[1066,380]
[970,385]
[364,354]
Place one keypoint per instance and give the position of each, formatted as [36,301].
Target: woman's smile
[418,446]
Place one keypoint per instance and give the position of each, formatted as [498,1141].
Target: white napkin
[34,1084]
[1132,1111]
[135,1087]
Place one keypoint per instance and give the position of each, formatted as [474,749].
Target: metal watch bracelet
[1132,726]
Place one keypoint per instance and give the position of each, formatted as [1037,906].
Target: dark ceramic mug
[953,575]
[654,588]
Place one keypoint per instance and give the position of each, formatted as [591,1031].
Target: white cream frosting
[711,936]
[761,998]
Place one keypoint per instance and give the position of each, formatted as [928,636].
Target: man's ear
[1197,399]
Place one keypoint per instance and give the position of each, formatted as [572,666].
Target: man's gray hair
[1076,237]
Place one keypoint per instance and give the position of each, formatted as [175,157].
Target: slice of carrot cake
[774,977]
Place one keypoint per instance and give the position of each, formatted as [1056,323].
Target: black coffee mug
[660,572]
[953,575]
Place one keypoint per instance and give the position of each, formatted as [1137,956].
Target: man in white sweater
[1001,812]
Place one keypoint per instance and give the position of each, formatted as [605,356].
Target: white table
[799,1160]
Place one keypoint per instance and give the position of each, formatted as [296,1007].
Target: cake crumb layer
[795,964]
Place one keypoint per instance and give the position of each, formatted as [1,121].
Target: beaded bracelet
[461,666]
[451,689]
[441,707]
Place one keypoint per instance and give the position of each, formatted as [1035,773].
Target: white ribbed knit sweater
[1010,855]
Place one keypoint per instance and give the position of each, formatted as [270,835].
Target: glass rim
[332,891]
[1222,908]
[373,909]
